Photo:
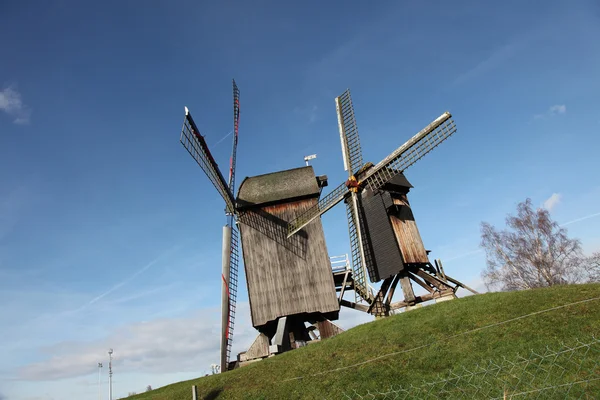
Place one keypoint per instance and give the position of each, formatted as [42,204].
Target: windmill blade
[230,260]
[359,259]
[411,151]
[230,264]
[338,194]
[351,150]
[196,146]
[236,123]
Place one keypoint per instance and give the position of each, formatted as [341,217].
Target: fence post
[194,393]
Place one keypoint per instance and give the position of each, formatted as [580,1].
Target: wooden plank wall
[407,233]
[282,281]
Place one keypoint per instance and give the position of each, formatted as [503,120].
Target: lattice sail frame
[234,261]
[195,144]
[351,150]
[234,244]
[410,152]
[398,161]
[353,161]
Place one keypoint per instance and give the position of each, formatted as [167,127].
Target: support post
[194,393]
[110,374]
[225,296]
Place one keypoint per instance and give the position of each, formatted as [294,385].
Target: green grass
[435,326]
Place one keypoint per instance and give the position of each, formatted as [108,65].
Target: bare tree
[534,252]
[148,388]
[593,264]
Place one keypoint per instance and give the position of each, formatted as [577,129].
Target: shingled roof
[277,187]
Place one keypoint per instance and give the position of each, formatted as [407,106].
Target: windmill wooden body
[286,277]
[289,279]
[385,241]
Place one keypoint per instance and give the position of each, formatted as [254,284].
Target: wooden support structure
[432,278]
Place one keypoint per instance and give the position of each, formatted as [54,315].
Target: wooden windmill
[385,241]
[289,279]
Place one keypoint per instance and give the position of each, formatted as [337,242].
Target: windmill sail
[353,161]
[411,151]
[231,255]
[236,122]
[338,194]
[198,149]
[358,253]
[349,139]
[230,262]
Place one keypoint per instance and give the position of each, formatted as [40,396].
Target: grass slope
[437,326]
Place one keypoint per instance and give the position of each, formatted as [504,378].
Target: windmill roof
[278,187]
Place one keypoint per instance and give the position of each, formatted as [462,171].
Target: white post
[99,381]
[110,352]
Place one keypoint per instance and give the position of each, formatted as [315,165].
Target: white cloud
[496,57]
[164,345]
[187,344]
[552,201]
[310,113]
[12,104]
[557,109]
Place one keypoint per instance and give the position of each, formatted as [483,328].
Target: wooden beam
[397,305]
[378,304]
[439,263]
[349,304]
[344,285]
[407,290]
[420,282]
[392,290]
[458,283]
[434,280]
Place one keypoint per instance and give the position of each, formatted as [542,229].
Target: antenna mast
[308,158]
[110,352]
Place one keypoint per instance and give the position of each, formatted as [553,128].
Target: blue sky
[110,234]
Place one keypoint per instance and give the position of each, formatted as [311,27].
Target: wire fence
[568,372]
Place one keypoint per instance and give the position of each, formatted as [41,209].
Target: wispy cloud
[494,59]
[11,207]
[220,140]
[309,113]
[12,104]
[163,345]
[552,201]
[130,278]
[463,255]
[581,219]
[557,109]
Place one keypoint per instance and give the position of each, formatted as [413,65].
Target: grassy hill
[447,336]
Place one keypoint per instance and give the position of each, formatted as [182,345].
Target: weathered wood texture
[328,329]
[282,281]
[378,234]
[407,233]
[259,349]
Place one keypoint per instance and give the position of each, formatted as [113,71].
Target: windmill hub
[353,184]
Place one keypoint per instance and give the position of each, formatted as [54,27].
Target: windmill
[385,241]
[289,279]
